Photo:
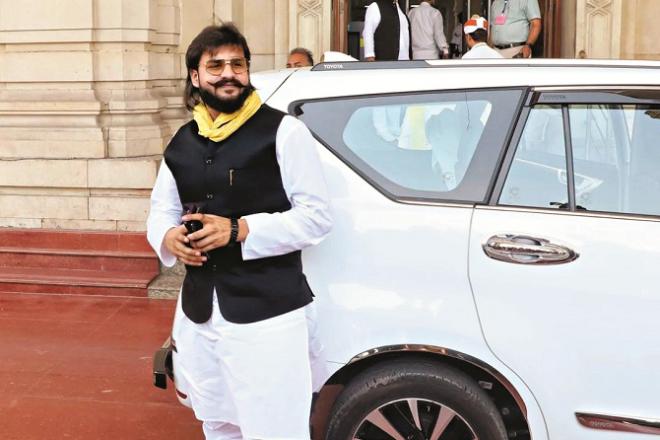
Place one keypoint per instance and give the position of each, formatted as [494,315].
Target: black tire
[386,387]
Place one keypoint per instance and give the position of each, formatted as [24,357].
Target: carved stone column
[598,28]
[310,25]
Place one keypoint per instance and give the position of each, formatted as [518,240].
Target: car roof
[361,78]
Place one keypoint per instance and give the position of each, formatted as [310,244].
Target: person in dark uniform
[251,179]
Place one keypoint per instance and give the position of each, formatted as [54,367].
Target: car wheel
[414,400]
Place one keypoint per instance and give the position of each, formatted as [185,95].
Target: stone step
[74,281]
[77,259]
[74,240]
[168,284]
[76,262]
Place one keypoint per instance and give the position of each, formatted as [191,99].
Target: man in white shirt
[386,32]
[476,37]
[427,32]
[251,182]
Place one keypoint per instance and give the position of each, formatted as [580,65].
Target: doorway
[348,22]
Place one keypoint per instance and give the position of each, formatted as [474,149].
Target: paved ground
[79,367]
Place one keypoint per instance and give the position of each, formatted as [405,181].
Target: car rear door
[564,262]
[404,171]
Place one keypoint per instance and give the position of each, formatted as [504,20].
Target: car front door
[564,262]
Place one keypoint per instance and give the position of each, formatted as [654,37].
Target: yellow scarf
[226,123]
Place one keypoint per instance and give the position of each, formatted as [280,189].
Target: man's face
[223,89]
[297,60]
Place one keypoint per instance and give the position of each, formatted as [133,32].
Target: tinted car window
[442,146]
[616,152]
[615,155]
[537,176]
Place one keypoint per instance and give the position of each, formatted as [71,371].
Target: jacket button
[209,196]
[209,161]
[214,267]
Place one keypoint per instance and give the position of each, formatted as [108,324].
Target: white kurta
[428,34]
[255,376]
[371,22]
[481,50]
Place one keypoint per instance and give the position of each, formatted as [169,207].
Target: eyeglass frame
[227,62]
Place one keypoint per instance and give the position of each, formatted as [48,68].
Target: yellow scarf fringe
[226,123]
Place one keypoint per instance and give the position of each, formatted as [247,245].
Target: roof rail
[373,65]
[489,63]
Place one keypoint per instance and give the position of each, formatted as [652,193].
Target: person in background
[300,57]
[427,33]
[516,28]
[456,45]
[476,37]
[386,32]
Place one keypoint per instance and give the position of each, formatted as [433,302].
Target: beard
[226,105]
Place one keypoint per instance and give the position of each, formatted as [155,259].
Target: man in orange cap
[476,37]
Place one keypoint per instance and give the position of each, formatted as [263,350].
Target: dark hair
[303,51]
[480,35]
[209,39]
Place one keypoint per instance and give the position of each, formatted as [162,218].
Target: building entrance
[348,22]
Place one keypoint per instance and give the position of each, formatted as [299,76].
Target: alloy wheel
[414,419]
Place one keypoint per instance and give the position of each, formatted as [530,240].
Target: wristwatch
[233,234]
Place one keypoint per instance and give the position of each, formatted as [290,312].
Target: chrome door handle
[523,249]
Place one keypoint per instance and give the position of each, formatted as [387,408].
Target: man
[516,28]
[476,37]
[427,33]
[299,57]
[386,32]
[244,314]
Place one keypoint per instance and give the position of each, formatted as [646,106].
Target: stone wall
[90,93]
[617,29]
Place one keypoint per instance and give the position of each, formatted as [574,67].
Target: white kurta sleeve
[309,219]
[439,34]
[371,22]
[165,213]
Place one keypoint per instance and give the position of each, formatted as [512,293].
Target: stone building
[90,91]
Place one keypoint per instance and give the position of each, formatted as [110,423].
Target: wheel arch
[510,403]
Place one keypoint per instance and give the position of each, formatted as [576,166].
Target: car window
[615,153]
[434,145]
[616,156]
[537,176]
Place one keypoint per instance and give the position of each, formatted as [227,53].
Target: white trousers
[249,381]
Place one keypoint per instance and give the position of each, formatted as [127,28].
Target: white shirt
[305,224]
[371,22]
[428,35]
[481,50]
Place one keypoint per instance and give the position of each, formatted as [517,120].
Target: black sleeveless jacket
[387,34]
[233,178]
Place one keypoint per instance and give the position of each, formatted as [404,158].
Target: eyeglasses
[216,67]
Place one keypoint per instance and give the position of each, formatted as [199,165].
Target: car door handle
[523,249]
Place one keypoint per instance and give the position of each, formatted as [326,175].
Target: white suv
[494,269]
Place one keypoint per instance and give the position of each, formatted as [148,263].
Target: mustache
[231,82]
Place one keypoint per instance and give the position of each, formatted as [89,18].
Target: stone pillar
[90,92]
[598,28]
[640,40]
[274,27]
[311,25]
